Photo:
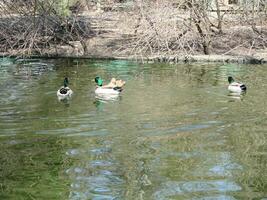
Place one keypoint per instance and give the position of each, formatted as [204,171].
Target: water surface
[173,133]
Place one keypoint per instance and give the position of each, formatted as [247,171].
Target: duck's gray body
[64,92]
[236,87]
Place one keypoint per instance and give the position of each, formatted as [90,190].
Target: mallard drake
[106,89]
[64,92]
[236,87]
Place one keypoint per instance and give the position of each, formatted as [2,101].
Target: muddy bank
[153,59]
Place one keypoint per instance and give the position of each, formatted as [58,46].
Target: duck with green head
[64,92]
[99,81]
[235,87]
[104,89]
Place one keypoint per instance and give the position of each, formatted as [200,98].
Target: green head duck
[98,81]
[66,82]
[230,79]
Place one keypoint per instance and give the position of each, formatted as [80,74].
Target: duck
[64,92]
[236,87]
[106,89]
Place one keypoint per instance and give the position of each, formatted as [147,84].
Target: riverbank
[119,35]
[167,59]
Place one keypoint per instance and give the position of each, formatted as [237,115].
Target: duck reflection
[102,99]
[237,96]
[107,97]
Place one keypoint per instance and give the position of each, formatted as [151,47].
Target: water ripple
[173,188]
[215,197]
[187,128]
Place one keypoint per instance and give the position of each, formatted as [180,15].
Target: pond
[173,133]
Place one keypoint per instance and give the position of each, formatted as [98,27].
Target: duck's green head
[98,81]
[230,79]
[66,82]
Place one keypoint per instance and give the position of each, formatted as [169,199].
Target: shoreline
[157,34]
[161,59]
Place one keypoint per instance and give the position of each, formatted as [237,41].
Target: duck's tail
[119,89]
[243,87]
[63,90]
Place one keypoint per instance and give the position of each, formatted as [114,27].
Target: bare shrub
[30,26]
[138,27]
[190,27]
[158,28]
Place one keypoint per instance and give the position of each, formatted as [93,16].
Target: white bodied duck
[64,92]
[236,87]
[109,89]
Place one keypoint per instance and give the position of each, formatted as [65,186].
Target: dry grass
[161,29]
[142,29]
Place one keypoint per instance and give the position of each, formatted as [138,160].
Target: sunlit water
[173,133]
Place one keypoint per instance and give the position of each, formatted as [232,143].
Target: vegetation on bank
[137,28]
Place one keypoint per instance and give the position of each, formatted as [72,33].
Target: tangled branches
[160,28]
[190,27]
[30,26]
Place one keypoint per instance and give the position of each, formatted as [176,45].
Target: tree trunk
[220,18]
[206,47]
[206,42]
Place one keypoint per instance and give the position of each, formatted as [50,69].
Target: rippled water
[174,133]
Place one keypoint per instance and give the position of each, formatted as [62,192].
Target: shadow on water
[173,133]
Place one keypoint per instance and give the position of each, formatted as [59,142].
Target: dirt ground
[237,43]
[115,38]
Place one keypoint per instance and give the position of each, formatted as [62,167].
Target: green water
[173,133]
